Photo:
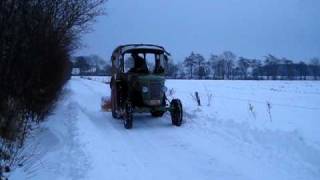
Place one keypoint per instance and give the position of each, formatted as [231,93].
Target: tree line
[227,66]
[36,41]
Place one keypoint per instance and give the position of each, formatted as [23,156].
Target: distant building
[91,70]
[75,71]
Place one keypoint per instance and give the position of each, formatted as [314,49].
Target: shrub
[36,39]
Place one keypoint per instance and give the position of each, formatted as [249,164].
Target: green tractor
[138,84]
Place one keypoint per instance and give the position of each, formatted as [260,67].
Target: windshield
[147,63]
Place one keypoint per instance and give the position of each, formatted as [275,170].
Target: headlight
[145,89]
[164,89]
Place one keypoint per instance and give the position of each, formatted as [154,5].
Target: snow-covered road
[234,138]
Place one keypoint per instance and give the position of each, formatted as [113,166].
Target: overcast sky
[250,28]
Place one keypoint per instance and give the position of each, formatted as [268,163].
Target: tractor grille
[155,90]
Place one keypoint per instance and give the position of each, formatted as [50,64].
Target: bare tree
[190,63]
[200,65]
[302,69]
[172,70]
[315,68]
[271,66]
[213,64]
[256,66]
[228,59]
[243,65]
[289,68]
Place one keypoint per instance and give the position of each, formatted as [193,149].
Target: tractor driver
[140,65]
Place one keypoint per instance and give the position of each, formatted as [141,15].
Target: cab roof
[141,48]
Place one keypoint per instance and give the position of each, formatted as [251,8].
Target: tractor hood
[153,89]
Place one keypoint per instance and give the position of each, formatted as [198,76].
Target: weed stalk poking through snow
[209,96]
[269,110]
[196,98]
[252,111]
[171,93]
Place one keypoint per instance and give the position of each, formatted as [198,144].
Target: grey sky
[250,28]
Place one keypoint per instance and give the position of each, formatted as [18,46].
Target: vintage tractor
[138,83]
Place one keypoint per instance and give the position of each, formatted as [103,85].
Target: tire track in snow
[154,149]
[109,131]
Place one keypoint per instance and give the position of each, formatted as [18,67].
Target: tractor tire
[157,113]
[176,112]
[114,102]
[128,117]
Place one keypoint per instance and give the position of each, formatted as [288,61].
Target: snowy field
[249,130]
[104,79]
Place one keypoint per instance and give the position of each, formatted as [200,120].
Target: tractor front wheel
[176,112]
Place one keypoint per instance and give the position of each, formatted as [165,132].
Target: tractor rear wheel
[176,112]
[128,117]
[114,102]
